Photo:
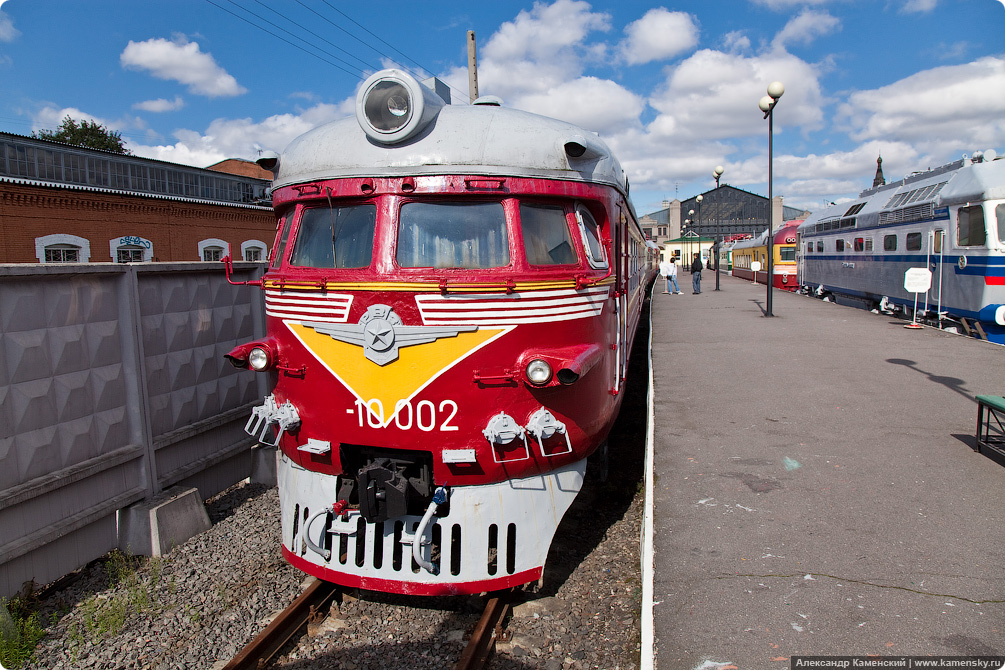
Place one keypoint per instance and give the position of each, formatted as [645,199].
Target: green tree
[85,134]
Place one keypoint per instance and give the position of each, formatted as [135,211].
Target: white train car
[950,220]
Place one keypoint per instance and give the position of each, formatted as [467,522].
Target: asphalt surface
[816,490]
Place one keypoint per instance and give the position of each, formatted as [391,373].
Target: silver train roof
[956,183]
[456,139]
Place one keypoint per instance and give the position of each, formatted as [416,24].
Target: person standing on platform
[668,268]
[696,274]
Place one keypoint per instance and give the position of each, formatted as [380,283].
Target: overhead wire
[356,72]
[296,46]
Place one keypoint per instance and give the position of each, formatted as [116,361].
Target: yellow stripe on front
[401,379]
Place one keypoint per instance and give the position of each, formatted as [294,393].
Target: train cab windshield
[482,235]
[335,237]
[452,235]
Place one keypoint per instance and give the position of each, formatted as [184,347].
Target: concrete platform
[153,527]
[816,488]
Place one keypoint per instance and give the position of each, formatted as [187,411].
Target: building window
[131,249]
[213,249]
[62,248]
[254,251]
[129,255]
[60,253]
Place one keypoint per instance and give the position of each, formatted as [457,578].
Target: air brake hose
[336,509]
[439,497]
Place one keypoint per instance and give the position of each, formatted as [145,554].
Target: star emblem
[381,333]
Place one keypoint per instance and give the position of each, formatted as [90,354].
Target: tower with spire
[879,180]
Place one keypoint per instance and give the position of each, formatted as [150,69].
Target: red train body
[747,252]
[451,303]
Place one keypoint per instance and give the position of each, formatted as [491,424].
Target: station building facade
[61,203]
[723,213]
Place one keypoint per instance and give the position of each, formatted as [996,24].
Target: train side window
[859,244]
[279,248]
[937,241]
[838,245]
[546,237]
[467,235]
[889,243]
[820,245]
[1000,215]
[335,237]
[868,244]
[913,242]
[970,230]
[809,247]
[591,238]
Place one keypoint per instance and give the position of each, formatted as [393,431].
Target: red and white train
[451,302]
[745,253]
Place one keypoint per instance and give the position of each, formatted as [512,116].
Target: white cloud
[160,105]
[920,6]
[659,35]
[544,32]
[956,107]
[599,105]
[736,42]
[714,95]
[241,138]
[8,33]
[805,27]
[181,61]
[786,4]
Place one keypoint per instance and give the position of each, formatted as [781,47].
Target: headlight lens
[258,359]
[388,106]
[538,372]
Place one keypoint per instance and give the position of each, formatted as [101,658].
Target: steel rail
[260,650]
[483,639]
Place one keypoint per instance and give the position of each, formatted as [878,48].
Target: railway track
[311,605]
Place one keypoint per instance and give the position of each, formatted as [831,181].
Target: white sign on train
[917,280]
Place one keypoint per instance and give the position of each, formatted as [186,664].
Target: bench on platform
[991,427]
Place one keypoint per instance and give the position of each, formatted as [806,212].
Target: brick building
[61,203]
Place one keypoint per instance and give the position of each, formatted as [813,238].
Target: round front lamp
[538,372]
[258,359]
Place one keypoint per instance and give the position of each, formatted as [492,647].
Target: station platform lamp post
[767,105]
[698,200]
[717,172]
[691,226]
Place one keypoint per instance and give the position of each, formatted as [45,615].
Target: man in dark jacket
[696,274]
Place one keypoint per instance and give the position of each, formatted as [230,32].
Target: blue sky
[673,88]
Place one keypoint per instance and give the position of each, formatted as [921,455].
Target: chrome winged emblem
[381,333]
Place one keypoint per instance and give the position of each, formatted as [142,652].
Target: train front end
[446,338]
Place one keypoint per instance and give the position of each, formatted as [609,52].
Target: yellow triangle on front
[399,380]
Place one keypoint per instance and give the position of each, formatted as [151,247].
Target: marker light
[258,359]
[538,372]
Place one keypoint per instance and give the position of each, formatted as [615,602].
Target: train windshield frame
[335,236]
[547,240]
[452,235]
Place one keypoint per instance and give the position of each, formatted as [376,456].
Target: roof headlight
[258,359]
[538,372]
[387,106]
[393,106]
